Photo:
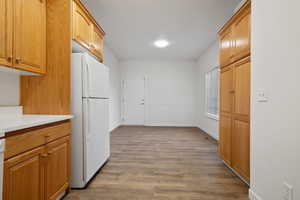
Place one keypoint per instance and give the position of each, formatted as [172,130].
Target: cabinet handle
[18,60]
[44,155]
[231,91]
[9,58]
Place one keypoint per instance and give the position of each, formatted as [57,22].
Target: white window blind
[212,93]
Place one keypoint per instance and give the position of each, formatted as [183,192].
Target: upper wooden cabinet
[30,35]
[97,43]
[241,33]
[86,31]
[226,47]
[6,24]
[23,34]
[82,26]
[235,36]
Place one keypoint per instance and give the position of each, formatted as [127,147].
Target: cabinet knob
[231,91]
[9,58]
[18,60]
[44,155]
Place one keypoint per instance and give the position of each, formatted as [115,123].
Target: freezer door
[96,135]
[95,78]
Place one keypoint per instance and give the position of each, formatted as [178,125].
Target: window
[212,93]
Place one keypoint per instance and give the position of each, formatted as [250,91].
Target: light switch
[262,96]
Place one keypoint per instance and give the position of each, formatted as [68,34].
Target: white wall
[112,62]
[206,62]
[9,89]
[275,127]
[171,90]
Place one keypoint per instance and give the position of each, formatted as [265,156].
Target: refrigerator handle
[88,80]
[88,119]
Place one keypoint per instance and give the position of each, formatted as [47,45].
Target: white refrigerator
[90,131]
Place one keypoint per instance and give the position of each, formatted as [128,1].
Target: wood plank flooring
[162,163]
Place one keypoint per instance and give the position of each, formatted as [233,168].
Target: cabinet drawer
[24,140]
[58,131]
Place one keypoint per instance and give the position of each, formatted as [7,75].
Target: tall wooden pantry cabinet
[235,61]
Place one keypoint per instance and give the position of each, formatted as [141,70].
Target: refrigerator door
[95,78]
[96,135]
[77,179]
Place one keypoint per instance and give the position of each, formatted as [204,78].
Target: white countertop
[14,123]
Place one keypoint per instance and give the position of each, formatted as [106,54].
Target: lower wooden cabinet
[24,177]
[241,148]
[57,167]
[225,138]
[42,173]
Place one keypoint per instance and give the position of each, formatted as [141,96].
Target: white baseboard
[208,132]
[236,173]
[115,126]
[253,195]
[61,196]
[169,125]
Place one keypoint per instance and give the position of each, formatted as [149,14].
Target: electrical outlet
[288,191]
[262,96]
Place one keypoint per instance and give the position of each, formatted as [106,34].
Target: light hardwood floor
[156,163]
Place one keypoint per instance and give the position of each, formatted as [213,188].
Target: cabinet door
[241,119]
[24,177]
[97,45]
[226,90]
[57,167]
[241,148]
[82,26]
[226,48]
[30,35]
[242,87]
[241,34]
[225,138]
[6,33]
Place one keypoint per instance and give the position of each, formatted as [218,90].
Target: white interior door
[134,102]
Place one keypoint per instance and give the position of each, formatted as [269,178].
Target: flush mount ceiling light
[161,43]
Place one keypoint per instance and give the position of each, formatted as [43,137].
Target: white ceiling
[133,25]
